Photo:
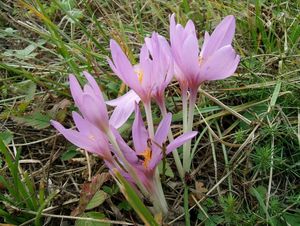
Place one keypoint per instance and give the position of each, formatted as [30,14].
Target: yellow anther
[146,156]
[140,75]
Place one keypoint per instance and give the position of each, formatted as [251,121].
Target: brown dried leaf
[199,191]
[88,191]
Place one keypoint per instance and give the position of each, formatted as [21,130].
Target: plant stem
[161,200]
[176,157]
[186,154]
[187,151]
[149,119]
[160,196]
[186,205]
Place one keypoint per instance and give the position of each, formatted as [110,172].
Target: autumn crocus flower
[90,101]
[147,153]
[87,136]
[148,79]
[217,59]
[94,131]
[154,72]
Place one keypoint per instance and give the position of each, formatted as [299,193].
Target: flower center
[145,156]
[140,75]
[200,60]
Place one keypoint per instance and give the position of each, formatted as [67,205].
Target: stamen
[145,156]
[140,75]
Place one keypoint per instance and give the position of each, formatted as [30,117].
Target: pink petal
[123,68]
[72,135]
[80,122]
[76,90]
[95,112]
[92,82]
[129,96]
[222,36]
[180,141]
[124,108]
[205,43]
[190,27]
[163,129]
[189,59]
[139,132]
[129,154]
[172,29]
[220,65]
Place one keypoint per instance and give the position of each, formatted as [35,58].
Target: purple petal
[189,60]
[124,107]
[76,91]
[180,141]
[129,96]
[94,112]
[139,132]
[172,28]
[129,154]
[80,122]
[72,135]
[190,27]
[123,68]
[92,82]
[163,129]
[220,65]
[205,43]
[222,36]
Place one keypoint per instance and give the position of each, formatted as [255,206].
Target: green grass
[251,172]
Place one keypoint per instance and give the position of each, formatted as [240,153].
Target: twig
[238,115]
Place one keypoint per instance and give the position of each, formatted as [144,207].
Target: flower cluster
[159,62]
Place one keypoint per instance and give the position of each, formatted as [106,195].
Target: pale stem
[159,194]
[176,157]
[187,154]
[127,165]
[149,119]
[160,197]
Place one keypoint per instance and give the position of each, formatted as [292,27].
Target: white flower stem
[176,157]
[192,102]
[159,199]
[186,154]
[149,119]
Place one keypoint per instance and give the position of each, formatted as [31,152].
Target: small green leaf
[6,137]
[93,215]
[124,205]
[168,172]
[69,154]
[97,200]
[275,94]
[36,120]
[292,219]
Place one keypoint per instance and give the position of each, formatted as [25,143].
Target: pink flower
[217,59]
[87,136]
[147,153]
[148,79]
[90,101]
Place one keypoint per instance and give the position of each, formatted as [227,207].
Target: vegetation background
[242,174]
